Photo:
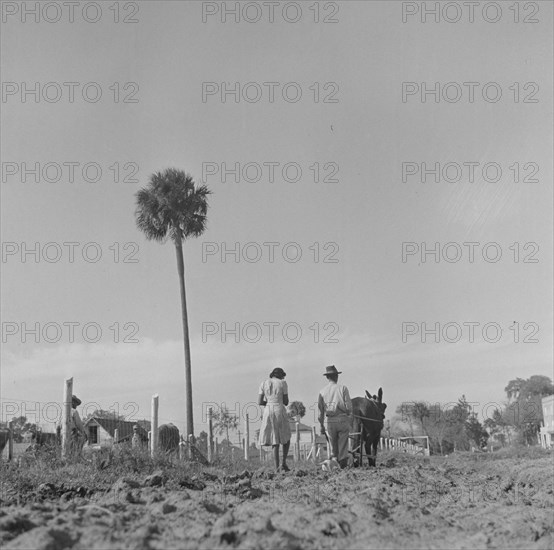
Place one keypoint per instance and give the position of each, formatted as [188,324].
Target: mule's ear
[380,395]
[367,394]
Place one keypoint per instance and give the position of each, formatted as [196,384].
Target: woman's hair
[277,373]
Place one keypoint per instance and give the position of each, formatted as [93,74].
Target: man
[335,410]
[78,435]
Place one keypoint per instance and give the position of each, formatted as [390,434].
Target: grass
[98,471]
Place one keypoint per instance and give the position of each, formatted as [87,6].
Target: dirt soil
[406,502]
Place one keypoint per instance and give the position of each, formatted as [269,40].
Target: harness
[367,418]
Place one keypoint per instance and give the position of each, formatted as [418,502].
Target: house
[546,433]
[101,430]
[304,432]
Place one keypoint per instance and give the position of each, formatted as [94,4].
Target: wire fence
[48,415]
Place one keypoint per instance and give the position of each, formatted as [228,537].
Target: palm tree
[172,206]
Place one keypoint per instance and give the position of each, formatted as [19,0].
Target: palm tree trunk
[188,369]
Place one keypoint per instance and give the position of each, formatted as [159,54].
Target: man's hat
[75,400]
[278,371]
[331,370]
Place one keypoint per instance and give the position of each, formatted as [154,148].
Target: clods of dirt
[157,479]
[192,483]
[462,503]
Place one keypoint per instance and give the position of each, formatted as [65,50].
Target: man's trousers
[338,430]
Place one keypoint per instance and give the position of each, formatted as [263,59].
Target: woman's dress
[275,429]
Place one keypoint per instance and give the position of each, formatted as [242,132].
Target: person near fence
[136,440]
[275,429]
[78,435]
[335,410]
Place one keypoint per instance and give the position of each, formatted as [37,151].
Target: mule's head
[378,400]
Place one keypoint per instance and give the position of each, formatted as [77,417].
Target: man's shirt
[334,400]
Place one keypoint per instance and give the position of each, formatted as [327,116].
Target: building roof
[124,427]
[301,427]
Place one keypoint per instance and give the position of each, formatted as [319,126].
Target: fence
[403,444]
[188,448]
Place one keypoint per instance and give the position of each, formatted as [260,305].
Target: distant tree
[20,427]
[457,420]
[476,432]
[296,410]
[498,427]
[223,421]
[405,418]
[415,415]
[453,428]
[437,426]
[524,411]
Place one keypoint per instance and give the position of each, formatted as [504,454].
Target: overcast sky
[349,227]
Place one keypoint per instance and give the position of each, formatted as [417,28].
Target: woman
[275,428]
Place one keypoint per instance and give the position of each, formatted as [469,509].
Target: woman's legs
[276,456]
[285,453]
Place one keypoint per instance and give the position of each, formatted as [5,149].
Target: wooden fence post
[210,435]
[154,422]
[191,442]
[361,445]
[66,416]
[314,444]
[116,436]
[247,437]
[297,446]
[10,441]
[216,447]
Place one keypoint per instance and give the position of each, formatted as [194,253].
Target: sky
[348,277]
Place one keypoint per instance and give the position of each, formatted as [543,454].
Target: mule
[368,413]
